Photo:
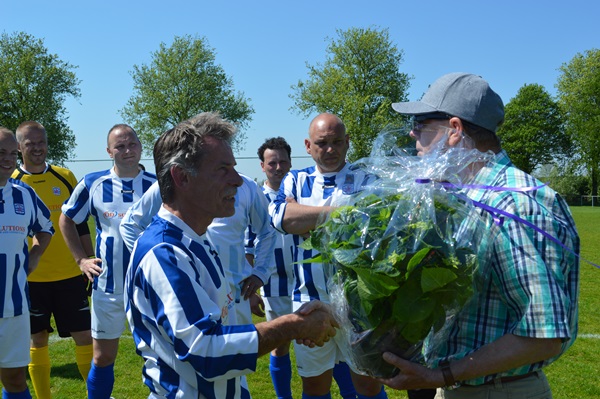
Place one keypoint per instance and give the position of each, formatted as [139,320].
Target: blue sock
[326,396]
[100,381]
[281,374]
[380,395]
[341,374]
[16,395]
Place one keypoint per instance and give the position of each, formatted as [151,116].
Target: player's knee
[13,379]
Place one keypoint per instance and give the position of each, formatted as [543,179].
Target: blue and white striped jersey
[177,297]
[107,197]
[139,215]
[310,187]
[226,234]
[22,214]
[281,282]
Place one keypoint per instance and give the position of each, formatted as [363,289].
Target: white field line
[55,338]
[592,336]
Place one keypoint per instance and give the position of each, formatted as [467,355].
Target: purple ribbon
[495,212]
[481,186]
[492,188]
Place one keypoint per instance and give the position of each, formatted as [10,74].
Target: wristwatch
[447,373]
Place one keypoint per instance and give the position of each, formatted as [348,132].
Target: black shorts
[66,299]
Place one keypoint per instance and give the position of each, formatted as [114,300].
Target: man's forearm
[39,244]
[509,352]
[300,219]
[71,236]
[275,333]
[86,244]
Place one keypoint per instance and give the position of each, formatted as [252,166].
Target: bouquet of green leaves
[402,255]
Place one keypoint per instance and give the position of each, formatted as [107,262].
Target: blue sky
[264,47]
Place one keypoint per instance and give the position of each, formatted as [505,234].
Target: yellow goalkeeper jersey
[54,186]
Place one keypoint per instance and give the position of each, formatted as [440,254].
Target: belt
[504,380]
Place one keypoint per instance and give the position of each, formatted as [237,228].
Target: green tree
[532,132]
[34,85]
[358,81]
[579,97]
[567,179]
[181,81]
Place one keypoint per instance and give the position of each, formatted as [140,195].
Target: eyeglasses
[420,128]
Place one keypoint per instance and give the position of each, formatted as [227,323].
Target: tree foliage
[579,97]
[34,85]
[567,180]
[358,81]
[532,132]
[181,81]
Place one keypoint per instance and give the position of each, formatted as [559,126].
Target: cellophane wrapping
[401,254]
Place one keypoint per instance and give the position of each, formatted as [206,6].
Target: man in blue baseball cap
[524,315]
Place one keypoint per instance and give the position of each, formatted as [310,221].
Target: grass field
[573,376]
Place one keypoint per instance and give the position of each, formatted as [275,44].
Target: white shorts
[14,341]
[108,315]
[276,306]
[312,362]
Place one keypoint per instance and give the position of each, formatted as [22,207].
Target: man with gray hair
[227,235]
[177,291]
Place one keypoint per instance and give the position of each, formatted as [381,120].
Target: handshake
[317,324]
[312,325]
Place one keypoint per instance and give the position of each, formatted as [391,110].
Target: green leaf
[318,258]
[373,286]
[416,259]
[346,256]
[387,267]
[416,330]
[306,245]
[433,278]
[410,305]
[439,317]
